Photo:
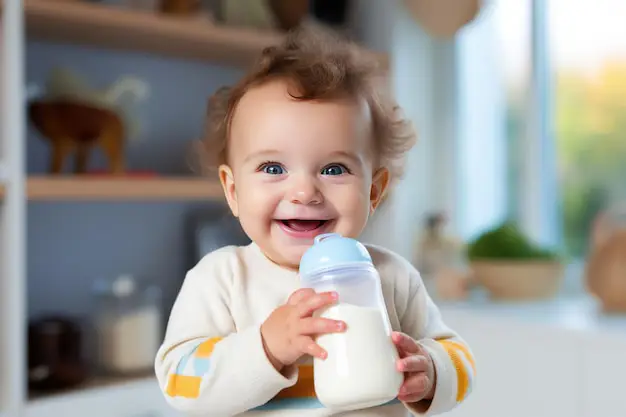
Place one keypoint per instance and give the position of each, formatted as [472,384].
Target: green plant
[507,242]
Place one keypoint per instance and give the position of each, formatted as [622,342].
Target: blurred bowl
[519,280]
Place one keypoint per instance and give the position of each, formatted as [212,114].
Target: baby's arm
[205,364]
[455,367]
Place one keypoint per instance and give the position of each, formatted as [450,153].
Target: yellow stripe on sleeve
[303,388]
[463,378]
[188,386]
[184,386]
[206,348]
[463,349]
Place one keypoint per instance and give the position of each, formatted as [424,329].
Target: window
[589,65]
[493,73]
[542,117]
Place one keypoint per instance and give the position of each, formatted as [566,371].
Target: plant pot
[519,280]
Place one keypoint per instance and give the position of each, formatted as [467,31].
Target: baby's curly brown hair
[319,65]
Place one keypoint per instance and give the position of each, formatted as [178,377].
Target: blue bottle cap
[331,250]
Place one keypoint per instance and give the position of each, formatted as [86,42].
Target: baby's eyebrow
[266,153]
[348,155]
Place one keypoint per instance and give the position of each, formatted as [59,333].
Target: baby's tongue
[303,225]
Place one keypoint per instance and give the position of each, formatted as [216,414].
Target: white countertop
[576,313]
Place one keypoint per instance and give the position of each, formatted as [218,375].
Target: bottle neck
[332,272]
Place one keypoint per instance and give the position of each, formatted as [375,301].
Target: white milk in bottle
[360,370]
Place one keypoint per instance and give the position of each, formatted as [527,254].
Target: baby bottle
[360,368]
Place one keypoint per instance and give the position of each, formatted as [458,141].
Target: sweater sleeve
[205,365]
[455,367]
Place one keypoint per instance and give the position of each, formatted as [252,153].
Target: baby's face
[298,169]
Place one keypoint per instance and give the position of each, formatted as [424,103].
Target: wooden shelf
[88,188]
[86,23]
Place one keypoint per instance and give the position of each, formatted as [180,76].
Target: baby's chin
[286,256]
[290,258]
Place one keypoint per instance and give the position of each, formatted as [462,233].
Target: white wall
[386,26]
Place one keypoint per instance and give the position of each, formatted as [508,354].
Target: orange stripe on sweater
[184,386]
[303,388]
[206,348]
[461,370]
[463,349]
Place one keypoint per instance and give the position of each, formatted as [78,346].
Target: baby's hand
[288,333]
[418,368]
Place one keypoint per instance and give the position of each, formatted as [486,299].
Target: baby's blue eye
[334,170]
[273,169]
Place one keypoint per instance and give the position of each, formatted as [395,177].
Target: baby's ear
[380,183]
[228,185]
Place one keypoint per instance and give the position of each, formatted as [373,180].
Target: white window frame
[539,209]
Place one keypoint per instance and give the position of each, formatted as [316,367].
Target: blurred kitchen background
[513,206]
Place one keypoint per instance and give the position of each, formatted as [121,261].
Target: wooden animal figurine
[180,7]
[75,128]
[74,118]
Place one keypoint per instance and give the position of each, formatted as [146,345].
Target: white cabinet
[537,369]
[522,370]
[603,382]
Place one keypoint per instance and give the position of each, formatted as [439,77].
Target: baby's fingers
[300,295]
[414,388]
[413,363]
[314,325]
[315,302]
[308,346]
[405,344]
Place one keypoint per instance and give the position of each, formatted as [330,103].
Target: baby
[307,143]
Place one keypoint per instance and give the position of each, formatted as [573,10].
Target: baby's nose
[305,191]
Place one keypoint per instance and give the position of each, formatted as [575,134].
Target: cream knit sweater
[212,361]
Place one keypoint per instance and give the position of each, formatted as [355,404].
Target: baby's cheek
[354,212]
[254,193]
[351,195]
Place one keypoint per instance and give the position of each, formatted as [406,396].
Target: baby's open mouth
[299,225]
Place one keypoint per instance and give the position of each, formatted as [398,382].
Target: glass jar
[128,326]
[360,369]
